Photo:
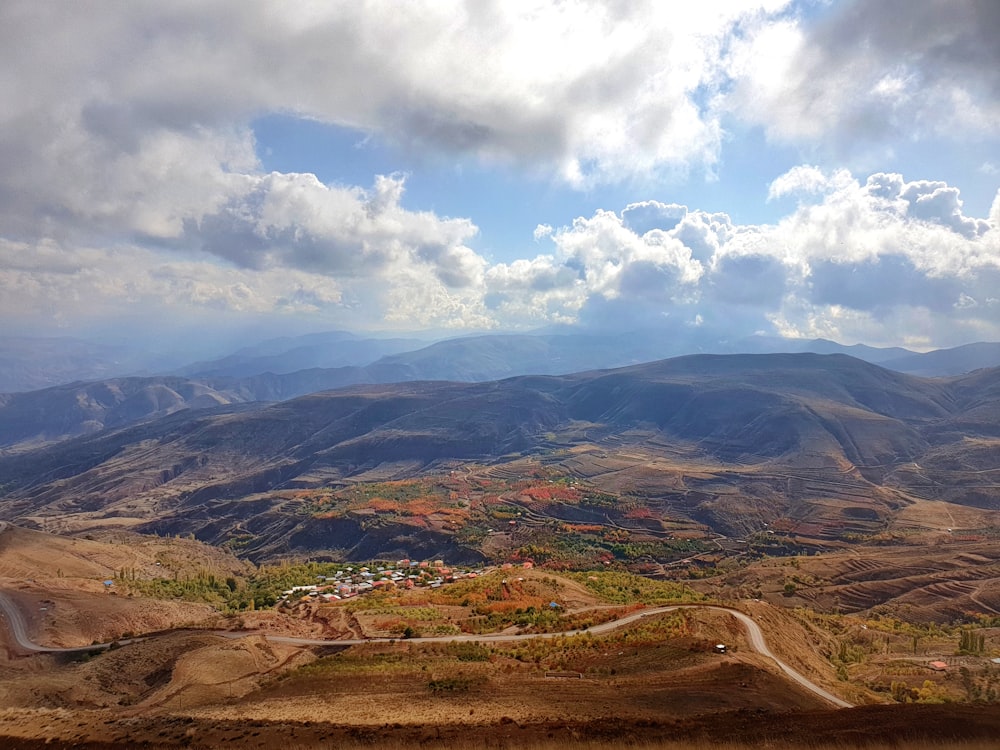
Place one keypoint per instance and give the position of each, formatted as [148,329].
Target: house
[938,666]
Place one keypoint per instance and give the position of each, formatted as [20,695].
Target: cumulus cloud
[129,173]
[296,221]
[853,261]
[647,215]
[590,90]
[872,72]
[804,179]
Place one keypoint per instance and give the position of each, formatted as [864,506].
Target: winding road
[18,629]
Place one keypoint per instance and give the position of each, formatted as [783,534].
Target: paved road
[18,629]
[11,614]
[754,632]
[17,626]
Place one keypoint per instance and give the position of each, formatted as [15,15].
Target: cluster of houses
[408,574]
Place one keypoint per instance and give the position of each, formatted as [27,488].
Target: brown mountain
[65,411]
[745,419]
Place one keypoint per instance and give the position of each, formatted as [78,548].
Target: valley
[575,547]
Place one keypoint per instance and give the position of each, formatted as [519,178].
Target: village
[405,573]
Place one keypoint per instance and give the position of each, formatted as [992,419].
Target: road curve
[18,629]
[754,633]
[17,626]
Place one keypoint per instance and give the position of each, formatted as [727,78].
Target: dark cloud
[868,73]
[946,41]
[881,284]
[753,280]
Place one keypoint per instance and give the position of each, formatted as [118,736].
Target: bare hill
[66,411]
[861,430]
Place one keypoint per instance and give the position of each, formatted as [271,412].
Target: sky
[803,168]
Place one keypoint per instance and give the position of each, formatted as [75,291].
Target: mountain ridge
[738,416]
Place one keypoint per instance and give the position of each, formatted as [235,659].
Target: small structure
[938,666]
[720,648]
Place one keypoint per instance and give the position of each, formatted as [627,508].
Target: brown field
[654,685]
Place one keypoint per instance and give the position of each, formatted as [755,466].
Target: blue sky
[790,167]
[509,204]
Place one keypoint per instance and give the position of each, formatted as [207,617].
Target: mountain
[66,411]
[743,424]
[955,361]
[77,409]
[337,358]
[333,349]
[778,345]
[496,356]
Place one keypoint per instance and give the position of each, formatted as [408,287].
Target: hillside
[281,369]
[57,581]
[66,411]
[726,442]
[329,350]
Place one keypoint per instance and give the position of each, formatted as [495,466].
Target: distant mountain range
[957,361]
[290,354]
[741,416]
[267,373]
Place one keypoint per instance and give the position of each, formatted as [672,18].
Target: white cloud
[800,179]
[542,230]
[129,175]
[857,262]
[589,90]
[872,72]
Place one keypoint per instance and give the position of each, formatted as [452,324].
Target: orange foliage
[640,512]
[422,506]
[383,505]
[549,492]
[585,528]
